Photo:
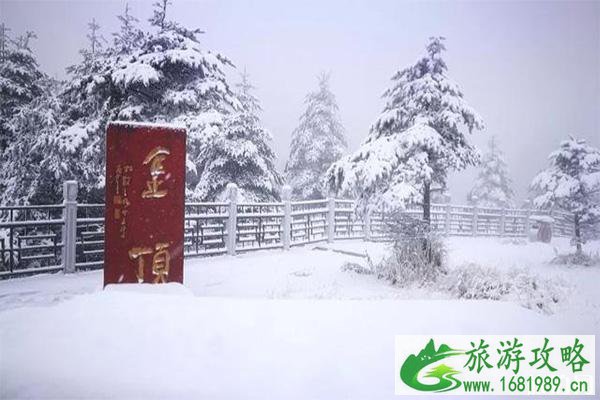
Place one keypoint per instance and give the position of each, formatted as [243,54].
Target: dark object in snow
[544,233]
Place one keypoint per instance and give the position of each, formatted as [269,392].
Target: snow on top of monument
[149,125]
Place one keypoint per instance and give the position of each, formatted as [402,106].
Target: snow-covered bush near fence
[417,253]
[475,282]
[584,259]
[356,268]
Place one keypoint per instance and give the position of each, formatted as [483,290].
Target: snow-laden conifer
[34,164]
[317,142]
[19,80]
[241,154]
[493,187]
[419,137]
[160,75]
[572,183]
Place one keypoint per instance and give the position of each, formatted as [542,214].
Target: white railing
[70,236]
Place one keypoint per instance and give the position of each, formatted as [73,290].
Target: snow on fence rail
[33,238]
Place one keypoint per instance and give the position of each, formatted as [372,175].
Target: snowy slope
[272,323]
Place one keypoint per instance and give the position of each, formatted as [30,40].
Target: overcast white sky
[531,69]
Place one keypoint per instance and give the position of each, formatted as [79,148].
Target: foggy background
[531,69]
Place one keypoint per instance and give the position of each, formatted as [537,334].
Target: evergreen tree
[35,163]
[493,185]
[162,75]
[417,139]
[241,154]
[572,182]
[19,81]
[316,143]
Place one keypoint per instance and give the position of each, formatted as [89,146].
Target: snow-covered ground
[268,324]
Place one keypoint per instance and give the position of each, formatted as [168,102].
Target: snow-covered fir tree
[241,154]
[419,137]
[572,183]
[19,80]
[493,187]
[317,142]
[34,164]
[161,75]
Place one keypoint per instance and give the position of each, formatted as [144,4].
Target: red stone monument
[144,217]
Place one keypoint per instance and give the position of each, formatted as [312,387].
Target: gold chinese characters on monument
[160,261]
[155,159]
[120,201]
[161,256]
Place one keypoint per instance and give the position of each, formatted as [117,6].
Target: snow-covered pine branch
[493,187]
[130,35]
[317,142]
[418,138]
[572,182]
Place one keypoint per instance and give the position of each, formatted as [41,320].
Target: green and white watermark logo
[495,364]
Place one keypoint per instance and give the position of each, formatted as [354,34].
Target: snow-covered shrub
[356,268]
[583,259]
[472,281]
[417,252]
[534,291]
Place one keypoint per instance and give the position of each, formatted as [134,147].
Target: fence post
[367,224]
[447,225]
[232,190]
[69,230]
[330,219]
[527,223]
[502,222]
[286,196]
[475,221]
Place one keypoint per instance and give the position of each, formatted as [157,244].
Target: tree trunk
[427,219]
[427,203]
[578,233]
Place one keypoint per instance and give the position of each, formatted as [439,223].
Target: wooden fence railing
[33,239]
